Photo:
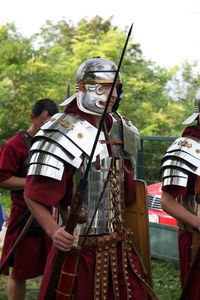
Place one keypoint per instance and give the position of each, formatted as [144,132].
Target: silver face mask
[94,73]
[91,101]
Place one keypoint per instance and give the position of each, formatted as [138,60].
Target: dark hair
[45,104]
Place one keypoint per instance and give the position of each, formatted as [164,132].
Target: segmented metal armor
[181,159]
[67,138]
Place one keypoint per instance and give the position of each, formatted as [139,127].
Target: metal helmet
[94,72]
[197,109]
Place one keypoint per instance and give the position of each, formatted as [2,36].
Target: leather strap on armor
[101,270]
[106,255]
[149,290]
[117,188]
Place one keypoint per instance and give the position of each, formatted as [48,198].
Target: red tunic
[30,257]
[184,237]
[45,190]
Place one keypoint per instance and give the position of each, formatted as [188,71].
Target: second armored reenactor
[181,199]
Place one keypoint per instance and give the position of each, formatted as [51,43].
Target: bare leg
[16,289]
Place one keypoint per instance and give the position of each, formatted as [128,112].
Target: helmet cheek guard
[101,98]
[92,101]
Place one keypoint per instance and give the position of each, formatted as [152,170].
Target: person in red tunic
[29,258]
[62,147]
[180,196]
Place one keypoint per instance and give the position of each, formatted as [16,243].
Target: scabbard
[67,277]
[61,281]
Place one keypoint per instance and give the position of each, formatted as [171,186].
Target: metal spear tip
[130,30]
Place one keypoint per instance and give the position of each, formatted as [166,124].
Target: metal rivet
[80,135]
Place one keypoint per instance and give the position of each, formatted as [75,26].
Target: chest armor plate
[109,188]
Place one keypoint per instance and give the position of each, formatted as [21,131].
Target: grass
[32,286]
[166,279]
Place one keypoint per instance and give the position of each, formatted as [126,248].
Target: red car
[156,214]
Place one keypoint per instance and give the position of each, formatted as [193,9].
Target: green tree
[43,65]
[15,52]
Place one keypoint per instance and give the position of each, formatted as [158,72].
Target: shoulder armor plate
[64,138]
[127,132]
[181,158]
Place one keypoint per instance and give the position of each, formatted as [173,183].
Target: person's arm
[61,239]
[176,210]
[12,157]
[13,183]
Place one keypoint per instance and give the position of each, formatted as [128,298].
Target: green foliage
[155,99]
[5,201]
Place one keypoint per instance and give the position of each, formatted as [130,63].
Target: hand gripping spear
[52,292]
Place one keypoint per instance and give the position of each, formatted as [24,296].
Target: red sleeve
[129,190]
[174,190]
[179,190]
[50,191]
[12,156]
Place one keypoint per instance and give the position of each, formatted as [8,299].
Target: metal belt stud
[125,266]
[114,267]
